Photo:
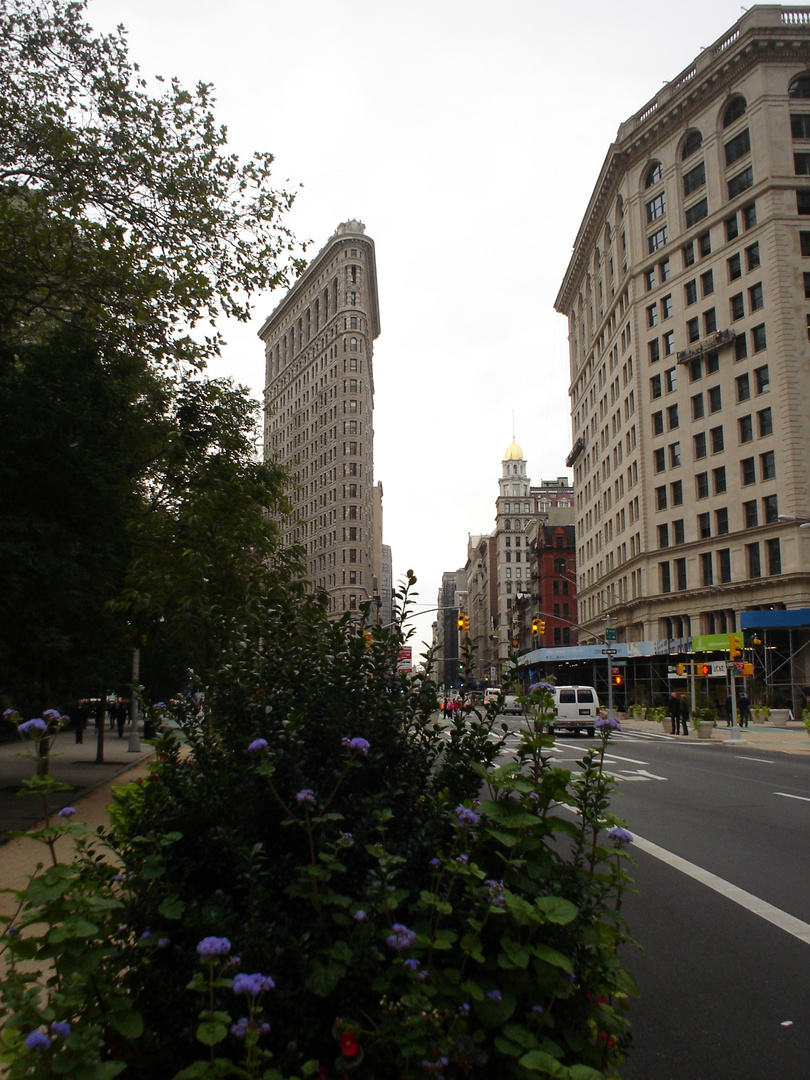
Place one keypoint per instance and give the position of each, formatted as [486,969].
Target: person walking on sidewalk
[744,709]
[684,716]
[675,712]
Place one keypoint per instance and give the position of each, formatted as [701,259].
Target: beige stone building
[688,306]
[319,400]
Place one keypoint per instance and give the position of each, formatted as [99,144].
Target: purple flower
[435,864]
[146,934]
[463,859]
[51,715]
[252,984]
[402,937]
[239,1029]
[32,725]
[12,930]
[494,995]
[38,1041]
[360,915]
[9,714]
[411,964]
[621,835]
[214,946]
[347,837]
[164,942]
[423,975]
[60,1028]
[306,795]
[118,877]
[466,816]
[543,687]
[363,745]
[464,1009]
[67,811]
[537,1009]
[608,723]
[257,745]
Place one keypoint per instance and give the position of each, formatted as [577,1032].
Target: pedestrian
[675,712]
[744,709]
[120,716]
[729,711]
[78,716]
[684,715]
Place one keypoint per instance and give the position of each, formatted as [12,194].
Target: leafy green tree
[127,230]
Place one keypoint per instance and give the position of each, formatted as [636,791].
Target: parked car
[576,708]
[511,705]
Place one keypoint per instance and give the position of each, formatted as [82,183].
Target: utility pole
[610,652]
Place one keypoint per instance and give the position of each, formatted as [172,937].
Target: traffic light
[734,646]
[704,669]
[535,624]
[466,622]
[541,627]
[748,669]
[681,669]
[460,621]
[617,680]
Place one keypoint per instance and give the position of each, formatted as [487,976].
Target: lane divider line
[785,795]
[784,921]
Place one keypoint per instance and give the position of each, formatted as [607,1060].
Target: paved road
[723,905]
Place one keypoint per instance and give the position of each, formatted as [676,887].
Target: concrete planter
[779,717]
[704,729]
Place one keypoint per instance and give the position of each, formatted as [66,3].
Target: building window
[758,339]
[649,278]
[707,283]
[732,229]
[657,240]
[661,497]
[699,441]
[658,423]
[712,363]
[669,343]
[664,577]
[652,315]
[654,174]
[748,472]
[737,307]
[709,322]
[755,298]
[724,564]
[800,125]
[674,455]
[697,213]
[721,520]
[671,380]
[695,369]
[767,465]
[719,479]
[678,531]
[663,269]
[694,179]
[800,87]
[659,460]
[804,244]
[765,422]
[741,182]
[705,244]
[680,574]
[676,490]
[717,440]
[753,560]
[706,574]
[734,267]
[740,347]
[734,110]
[738,147]
[746,429]
[715,399]
[750,514]
[672,417]
[690,292]
[697,407]
[688,253]
[752,256]
[702,485]
[663,535]
[762,379]
[666,306]
[803,201]
[655,387]
[770,509]
[774,556]
[656,207]
[692,143]
[749,214]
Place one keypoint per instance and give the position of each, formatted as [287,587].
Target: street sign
[610,633]
[405,660]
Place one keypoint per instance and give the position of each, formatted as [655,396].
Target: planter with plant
[704,719]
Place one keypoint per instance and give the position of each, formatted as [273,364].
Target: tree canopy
[133,496]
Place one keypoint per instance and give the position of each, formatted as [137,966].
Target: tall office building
[319,400]
[688,306]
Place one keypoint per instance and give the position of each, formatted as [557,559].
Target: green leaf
[211,1032]
[129,1023]
[551,956]
[172,907]
[557,909]
[517,953]
[584,1072]
[540,1061]
[324,978]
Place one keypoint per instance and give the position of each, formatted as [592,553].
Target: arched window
[692,143]
[654,174]
[800,87]
[734,110]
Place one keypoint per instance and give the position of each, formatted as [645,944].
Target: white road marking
[785,795]
[615,757]
[789,923]
[764,760]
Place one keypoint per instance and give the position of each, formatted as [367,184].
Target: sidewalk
[71,762]
[792,739]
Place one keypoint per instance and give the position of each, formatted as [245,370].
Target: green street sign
[610,633]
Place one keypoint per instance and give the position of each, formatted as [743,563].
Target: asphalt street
[722,905]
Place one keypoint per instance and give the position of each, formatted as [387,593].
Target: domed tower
[515,510]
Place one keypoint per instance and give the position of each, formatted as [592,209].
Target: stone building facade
[319,419]
[688,306]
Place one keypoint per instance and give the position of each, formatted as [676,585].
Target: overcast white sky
[467,135]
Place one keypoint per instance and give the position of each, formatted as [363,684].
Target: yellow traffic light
[681,669]
[734,646]
[466,622]
[541,627]
[534,625]
[460,621]
[748,669]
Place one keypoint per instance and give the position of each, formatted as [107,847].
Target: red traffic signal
[704,669]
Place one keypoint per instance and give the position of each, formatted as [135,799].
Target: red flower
[349,1045]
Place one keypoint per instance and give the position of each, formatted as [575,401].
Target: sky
[467,135]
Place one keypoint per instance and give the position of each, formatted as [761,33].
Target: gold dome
[513,452]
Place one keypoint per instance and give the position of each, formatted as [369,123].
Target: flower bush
[324,879]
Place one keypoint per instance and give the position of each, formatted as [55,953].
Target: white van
[576,708]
